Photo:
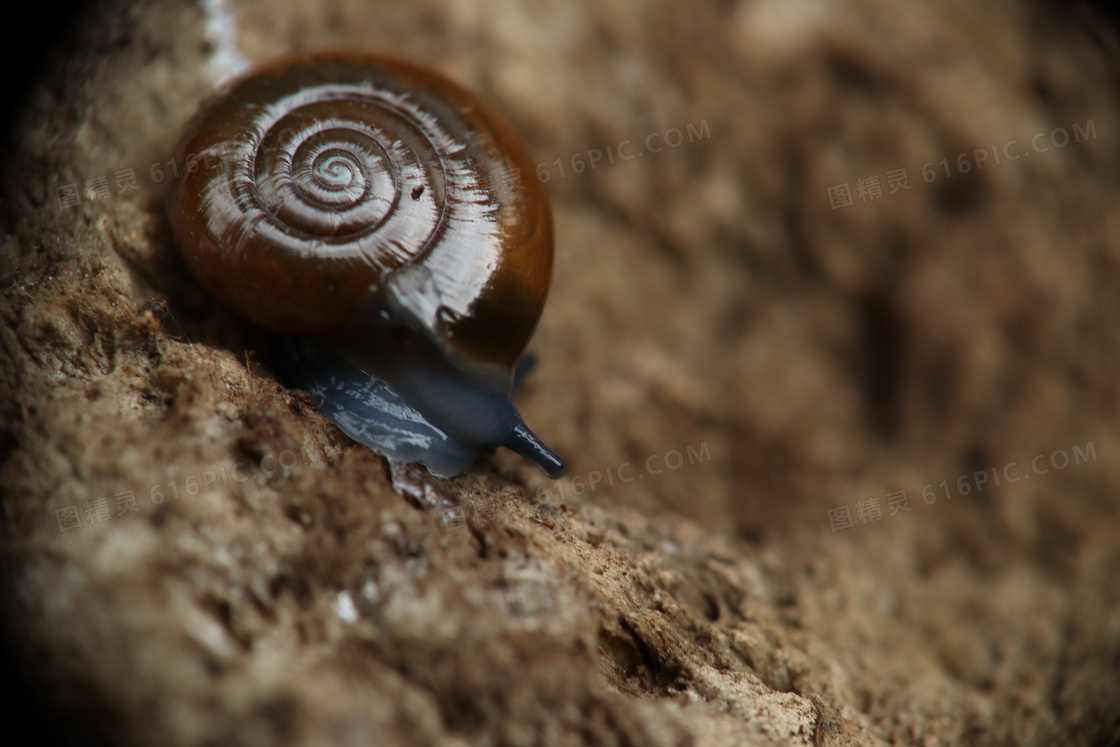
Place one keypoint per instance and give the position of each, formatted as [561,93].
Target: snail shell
[374,216]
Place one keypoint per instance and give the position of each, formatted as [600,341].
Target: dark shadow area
[25,46]
[25,51]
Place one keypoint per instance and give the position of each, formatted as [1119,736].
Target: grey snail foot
[425,415]
[382,220]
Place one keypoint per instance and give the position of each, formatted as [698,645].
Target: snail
[371,215]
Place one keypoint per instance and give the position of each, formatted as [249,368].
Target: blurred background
[830,351]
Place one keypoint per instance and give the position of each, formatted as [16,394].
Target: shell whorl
[322,187]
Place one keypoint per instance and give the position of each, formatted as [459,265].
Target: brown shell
[321,185]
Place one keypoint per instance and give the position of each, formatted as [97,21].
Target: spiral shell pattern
[324,172]
[320,188]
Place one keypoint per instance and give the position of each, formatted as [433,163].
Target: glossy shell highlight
[405,183]
[382,222]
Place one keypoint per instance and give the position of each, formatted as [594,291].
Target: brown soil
[806,361]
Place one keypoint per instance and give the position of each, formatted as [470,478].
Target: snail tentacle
[375,216]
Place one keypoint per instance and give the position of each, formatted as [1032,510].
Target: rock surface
[838,474]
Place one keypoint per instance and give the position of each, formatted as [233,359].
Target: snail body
[373,217]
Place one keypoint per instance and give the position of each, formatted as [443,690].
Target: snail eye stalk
[374,217]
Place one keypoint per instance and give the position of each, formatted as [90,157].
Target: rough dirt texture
[708,302]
